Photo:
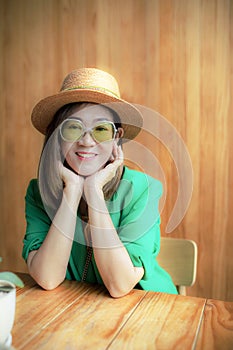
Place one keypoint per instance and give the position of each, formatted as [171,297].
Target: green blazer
[134,210]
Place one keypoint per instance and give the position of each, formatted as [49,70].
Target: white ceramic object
[7,313]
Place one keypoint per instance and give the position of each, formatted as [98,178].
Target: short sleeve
[38,222]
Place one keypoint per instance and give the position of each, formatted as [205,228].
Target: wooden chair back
[179,258]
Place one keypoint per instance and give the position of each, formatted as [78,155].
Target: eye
[101,128]
[74,126]
[71,130]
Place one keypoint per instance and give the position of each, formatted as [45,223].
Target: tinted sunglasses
[72,130]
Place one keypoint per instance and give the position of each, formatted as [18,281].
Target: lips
[86,155]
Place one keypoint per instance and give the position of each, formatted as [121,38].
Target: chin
[85,170]
[87,173]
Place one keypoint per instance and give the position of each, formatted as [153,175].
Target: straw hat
[88,85]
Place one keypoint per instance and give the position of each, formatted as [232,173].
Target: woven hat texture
[88,85]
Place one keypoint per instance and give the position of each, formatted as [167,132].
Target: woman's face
[86,156]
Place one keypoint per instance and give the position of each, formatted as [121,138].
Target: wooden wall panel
[173,56]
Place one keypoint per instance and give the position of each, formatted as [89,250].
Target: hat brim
[130,116]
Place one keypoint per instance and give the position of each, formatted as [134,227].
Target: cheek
[106,151]
[66,149]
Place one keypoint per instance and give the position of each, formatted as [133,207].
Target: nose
[87,140]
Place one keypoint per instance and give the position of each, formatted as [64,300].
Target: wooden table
[84,316]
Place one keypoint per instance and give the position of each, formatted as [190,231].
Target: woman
[89,218]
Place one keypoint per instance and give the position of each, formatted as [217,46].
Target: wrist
[72,196]
[93,194]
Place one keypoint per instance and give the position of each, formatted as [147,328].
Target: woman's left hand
[95,183]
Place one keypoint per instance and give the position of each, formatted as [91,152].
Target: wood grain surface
[217,327]
[84,316]
[81,316]
[162,322]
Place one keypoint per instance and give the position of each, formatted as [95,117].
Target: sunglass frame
[85,130]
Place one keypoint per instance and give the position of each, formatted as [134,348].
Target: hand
[70,178]
[95,183]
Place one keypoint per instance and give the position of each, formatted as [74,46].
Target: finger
[111,159]
[120,153]
[111,168]
[115,150]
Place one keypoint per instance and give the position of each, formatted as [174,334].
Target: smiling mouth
[85,156]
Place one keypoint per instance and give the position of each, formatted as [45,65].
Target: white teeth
[86,155]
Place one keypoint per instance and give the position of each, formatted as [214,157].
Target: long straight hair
[50,183]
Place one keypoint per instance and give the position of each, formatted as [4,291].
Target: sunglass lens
[71,130]
[103,132]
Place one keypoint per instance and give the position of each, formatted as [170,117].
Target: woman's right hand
[47,265]
[73,183]
[69,177]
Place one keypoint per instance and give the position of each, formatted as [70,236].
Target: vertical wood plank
[172,56]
